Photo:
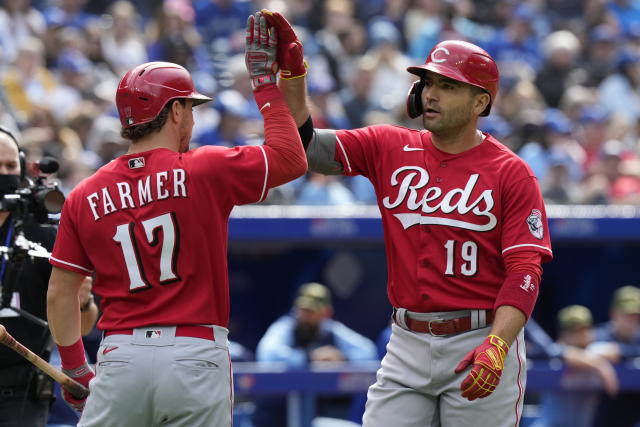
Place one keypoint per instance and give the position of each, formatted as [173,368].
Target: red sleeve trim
[70,266]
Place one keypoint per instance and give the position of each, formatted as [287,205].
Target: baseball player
[152,227]
[465,233]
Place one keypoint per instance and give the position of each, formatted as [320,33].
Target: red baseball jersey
[153,226]
[448,218]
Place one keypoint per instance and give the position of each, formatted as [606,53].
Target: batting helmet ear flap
[414,99]
[21,156]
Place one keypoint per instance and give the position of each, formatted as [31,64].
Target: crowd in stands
[568,103]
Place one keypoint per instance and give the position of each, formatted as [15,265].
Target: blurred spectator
[423,14]
[18,22]
[341,42]
[60,56]
[618,93]
[615,177]
[601,54]
[591,130]
[122,39]
[363,190]
[309,335]
[625,12]
[67,13]
[560,69]
[233,110]
[390,77]
[173,37]
[621,337]
[586,373]
[518,42]
[105,140]
[355,96]
[327,107]
[555,141]
[321,189]
[451,23]
[623,328]
[519,98]
[28,83]
[221,23]
[557,186]
[75,83]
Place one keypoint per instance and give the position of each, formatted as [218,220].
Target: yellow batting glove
[487,364]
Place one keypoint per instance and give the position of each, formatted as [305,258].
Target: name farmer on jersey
[159,186]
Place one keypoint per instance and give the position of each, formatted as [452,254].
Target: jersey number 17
[126,239]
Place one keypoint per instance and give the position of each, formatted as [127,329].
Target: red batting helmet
[461,61]
[145,90]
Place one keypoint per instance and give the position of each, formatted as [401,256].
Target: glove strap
[500,344]
[265,79]
[78,372]
[286,74]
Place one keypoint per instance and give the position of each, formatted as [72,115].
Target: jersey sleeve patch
[535,224]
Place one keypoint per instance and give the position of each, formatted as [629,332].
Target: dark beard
[304,334]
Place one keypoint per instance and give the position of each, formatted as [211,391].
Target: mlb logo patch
[153,334]
[136,163]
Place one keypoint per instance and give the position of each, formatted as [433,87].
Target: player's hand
[487,363]
[260,52]
[326,353]
[83,374]
[290,51]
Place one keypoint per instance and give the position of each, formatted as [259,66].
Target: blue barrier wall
[273,249]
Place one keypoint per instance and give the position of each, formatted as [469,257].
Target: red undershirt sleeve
[286,159]
[521,286]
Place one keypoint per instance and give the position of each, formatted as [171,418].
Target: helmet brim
[199,99]
[442,70]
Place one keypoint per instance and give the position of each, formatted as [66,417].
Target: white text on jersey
[147,190]
[416,178]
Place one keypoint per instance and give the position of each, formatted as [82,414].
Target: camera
[39,198]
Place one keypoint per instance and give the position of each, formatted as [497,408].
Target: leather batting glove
[260,52]
[487,363]
[83,374]
[290,50]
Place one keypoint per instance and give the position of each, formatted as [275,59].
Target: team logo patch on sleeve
[136,163]
[534,221]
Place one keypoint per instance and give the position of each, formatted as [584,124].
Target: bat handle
[77,390]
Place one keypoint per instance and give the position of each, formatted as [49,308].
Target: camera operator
[25,392]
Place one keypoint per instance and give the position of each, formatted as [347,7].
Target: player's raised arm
[319,144]
[286,157]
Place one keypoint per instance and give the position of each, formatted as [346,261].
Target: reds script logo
[534,221]
[433,200]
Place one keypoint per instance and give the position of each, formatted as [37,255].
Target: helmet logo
[433,54]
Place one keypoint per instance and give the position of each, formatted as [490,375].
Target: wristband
[520,290]
[306,132]
[266,94]
[72,356]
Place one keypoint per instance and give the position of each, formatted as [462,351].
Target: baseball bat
[75,388]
